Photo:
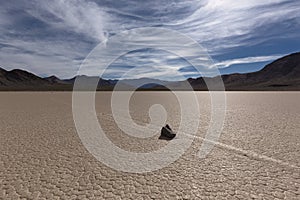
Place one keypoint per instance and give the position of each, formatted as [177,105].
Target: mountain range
[282,74]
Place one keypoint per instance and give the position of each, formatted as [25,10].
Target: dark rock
[166,133]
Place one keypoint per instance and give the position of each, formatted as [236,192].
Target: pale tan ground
[43,158]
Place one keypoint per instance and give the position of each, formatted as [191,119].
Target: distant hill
[282,74]
[17,77]
[21,80]
[55,80]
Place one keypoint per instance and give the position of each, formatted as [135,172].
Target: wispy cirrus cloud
[49,37]
[81,16]
[53,37]
[222,24]
[247,60]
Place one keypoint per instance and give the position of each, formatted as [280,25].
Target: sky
[54,37]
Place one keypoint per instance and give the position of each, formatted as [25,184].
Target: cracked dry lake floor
[256,157]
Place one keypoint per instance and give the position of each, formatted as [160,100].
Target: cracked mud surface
[258,157]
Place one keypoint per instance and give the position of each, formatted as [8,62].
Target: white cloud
[81,16]
[43,57]
[219,24]
[45,54]
[229,23]
[247,60]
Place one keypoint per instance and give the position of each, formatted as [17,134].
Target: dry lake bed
[257,157]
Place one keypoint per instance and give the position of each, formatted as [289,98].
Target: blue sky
[53,37]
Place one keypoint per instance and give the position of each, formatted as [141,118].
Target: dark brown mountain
[18,79]
[16,76]
[22,80]
[282,69]
[282,74]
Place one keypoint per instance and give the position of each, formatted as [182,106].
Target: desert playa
[257,157]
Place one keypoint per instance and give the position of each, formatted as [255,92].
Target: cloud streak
[247,60]
[81,16]
[222,24]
